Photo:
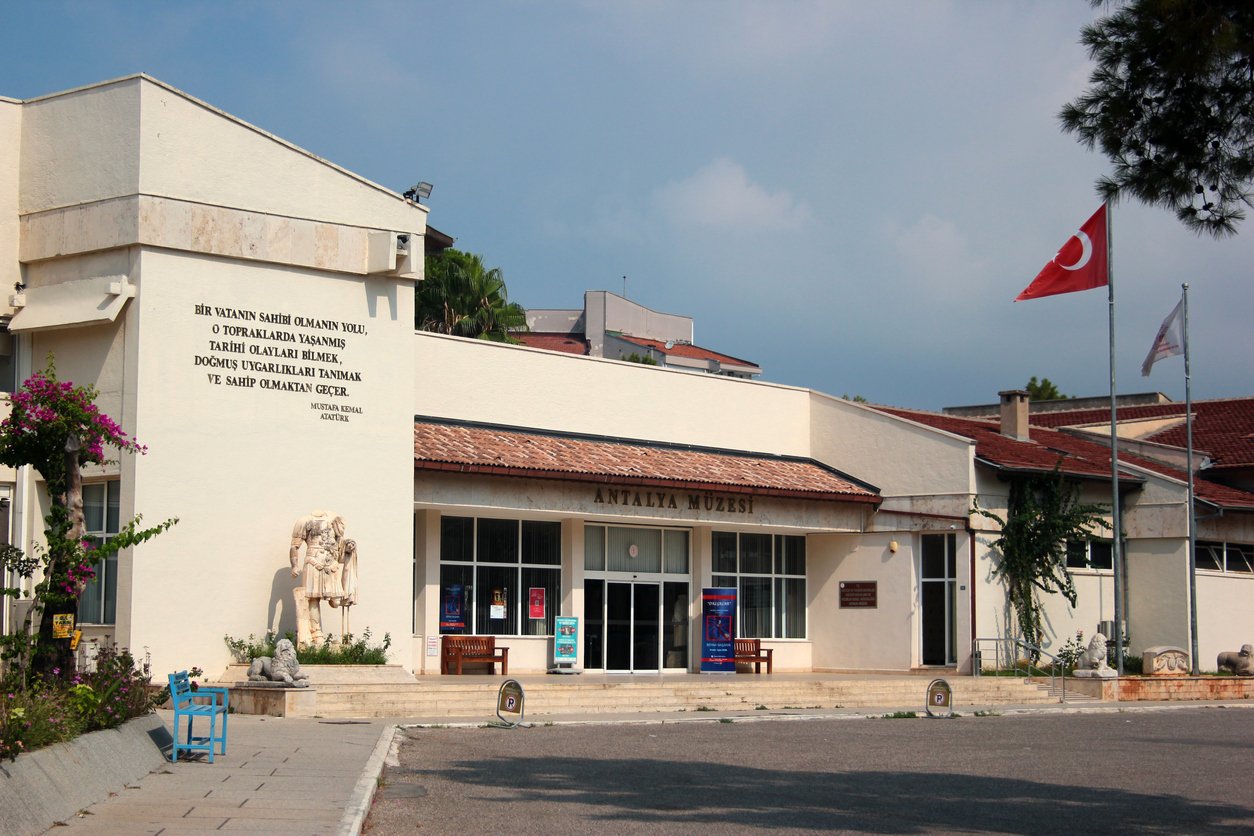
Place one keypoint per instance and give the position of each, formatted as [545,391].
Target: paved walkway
[278,775]
[283,775]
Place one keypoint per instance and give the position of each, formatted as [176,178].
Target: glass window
[724,546]
[1090,554]
[676,548]
[1240,557]
[755,554]
[1210,556]
[101,505]
[457,539]
[498,541]
[594,547]
[769,574]
[634,550]
[542,543]
[500,577]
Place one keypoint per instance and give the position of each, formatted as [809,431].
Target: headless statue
[326,564]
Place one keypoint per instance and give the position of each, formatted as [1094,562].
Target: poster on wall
[535,602]
[566,640]
[718,629]
[452,613]
[496,610]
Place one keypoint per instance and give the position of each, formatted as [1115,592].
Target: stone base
[273,699]
[1107,673]
[331,674]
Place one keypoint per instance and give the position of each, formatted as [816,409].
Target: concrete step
[553,698]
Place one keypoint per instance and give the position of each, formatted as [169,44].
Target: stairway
[551,698]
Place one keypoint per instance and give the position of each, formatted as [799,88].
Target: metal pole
[1115,544]
[1188,423]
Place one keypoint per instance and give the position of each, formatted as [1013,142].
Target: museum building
[246,310]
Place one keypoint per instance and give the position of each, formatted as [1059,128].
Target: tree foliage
[1044,390]
[55,426]
[1171,104]
[1043,513]
[463,297]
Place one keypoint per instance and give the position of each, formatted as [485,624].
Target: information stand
[565,644]
[718,629]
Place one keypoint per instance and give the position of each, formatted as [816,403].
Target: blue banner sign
[566,639]
[718,629]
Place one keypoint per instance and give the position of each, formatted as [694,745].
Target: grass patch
[726,720]
[899,715]
[987,713]
[761,708]
[703,708]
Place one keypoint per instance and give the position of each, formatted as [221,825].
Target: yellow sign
[74,640]
[62,625]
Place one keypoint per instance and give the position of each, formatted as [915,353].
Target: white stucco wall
[266,457]
[81,146]
[10,177]
[475,380]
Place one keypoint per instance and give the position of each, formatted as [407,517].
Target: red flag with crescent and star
[1079,265]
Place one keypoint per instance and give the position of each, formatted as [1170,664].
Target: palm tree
[461,296]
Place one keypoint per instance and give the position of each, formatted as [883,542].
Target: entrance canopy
[462,447]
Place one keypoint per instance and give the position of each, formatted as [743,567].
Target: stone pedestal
[1165,660]
[1096,673]
[273,699]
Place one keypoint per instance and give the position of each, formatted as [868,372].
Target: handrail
[1057,669]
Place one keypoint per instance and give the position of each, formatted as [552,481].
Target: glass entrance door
[632,626]
[938,579]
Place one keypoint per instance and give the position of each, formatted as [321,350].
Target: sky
[849,194]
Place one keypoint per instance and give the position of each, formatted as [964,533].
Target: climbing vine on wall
[1043,512]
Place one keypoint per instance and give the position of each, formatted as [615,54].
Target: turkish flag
[1079,265]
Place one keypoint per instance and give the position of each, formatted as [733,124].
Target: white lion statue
[1094,656]
[1240,662]
[282,667]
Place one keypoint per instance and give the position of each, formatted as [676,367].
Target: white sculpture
[282,667]
[1092,661]
[327,567]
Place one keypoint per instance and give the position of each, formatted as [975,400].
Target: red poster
[535,601]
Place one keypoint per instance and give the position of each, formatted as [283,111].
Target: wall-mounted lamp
[892,546]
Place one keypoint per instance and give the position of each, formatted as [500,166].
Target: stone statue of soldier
[326,564]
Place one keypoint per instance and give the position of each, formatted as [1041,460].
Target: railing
[1019,654]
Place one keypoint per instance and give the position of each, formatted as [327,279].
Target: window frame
[776,581]
[514,564]
[1106,564]
[1226,554]
[104,586]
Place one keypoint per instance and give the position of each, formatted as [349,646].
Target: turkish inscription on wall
[284,354]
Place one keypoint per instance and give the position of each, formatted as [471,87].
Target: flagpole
[1115,544]
[1188,424]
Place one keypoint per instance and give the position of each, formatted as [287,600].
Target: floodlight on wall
[418,191]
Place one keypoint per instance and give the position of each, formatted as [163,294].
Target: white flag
[1168,343]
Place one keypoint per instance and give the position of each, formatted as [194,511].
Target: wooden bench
[458,649]
[201,701]
[750,650]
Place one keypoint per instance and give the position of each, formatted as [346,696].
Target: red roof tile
[565,343]
[1076,456]
[503,451]
[1222,428]
[689,350]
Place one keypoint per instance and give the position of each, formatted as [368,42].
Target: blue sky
[849,194]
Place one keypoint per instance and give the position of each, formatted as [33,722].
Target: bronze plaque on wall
[859,594]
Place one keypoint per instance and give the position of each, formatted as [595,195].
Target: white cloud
[934,247]
[720,196]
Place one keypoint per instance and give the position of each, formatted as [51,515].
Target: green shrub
[349,651]
[55,709]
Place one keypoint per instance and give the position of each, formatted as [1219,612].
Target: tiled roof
[508,451]
[694,352]
[1224,429]
[1076,456]
[566,343]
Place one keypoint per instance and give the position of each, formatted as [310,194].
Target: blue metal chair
[189,704]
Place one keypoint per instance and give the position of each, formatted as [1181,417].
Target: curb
[363,793]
